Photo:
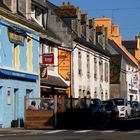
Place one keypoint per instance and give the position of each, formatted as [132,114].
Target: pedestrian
[32,106]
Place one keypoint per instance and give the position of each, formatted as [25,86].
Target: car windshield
[108,104]
[119,101]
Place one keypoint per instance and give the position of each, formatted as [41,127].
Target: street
[122,130]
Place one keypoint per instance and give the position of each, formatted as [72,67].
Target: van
[124,107]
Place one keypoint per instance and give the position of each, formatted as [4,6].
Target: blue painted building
[19,67]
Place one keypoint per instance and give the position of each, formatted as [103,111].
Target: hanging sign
[16,36]
[48,58]
[64,64]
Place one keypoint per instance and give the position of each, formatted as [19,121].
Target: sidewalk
[19,131]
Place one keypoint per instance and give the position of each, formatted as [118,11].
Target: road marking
[54,131]
[108,131]
[134,132]
[2,135]
[82,131]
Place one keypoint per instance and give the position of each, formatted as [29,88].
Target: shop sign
[64,64]
[16,36]
[43,73]
[135,79]
[48,58]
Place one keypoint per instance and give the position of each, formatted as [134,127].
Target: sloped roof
[91,46]
[123,51]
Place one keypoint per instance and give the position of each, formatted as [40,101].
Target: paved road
[121,130]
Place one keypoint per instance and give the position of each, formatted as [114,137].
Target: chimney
[103,37]
[138,41]
[79,22]
[85,25]
[92,31]
[11,4]
[24,6]
[87,28]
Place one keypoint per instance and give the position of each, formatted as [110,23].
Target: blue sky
[126,13]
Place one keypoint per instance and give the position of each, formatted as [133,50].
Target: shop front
[13,87]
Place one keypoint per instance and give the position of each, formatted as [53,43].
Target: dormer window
[37,14]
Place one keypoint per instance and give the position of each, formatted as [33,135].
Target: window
[16,56]
[37,14]
[95,94]
[106,71]
[79,63]
[106,95]
[29,54]
[51,50]
[95,68]
[101,69]
[102,96]
[88,66]
[9,96]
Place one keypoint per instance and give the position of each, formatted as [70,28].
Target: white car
[124,107]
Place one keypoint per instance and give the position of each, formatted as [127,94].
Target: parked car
[97,110]
[136,105]
[112,112]
[124,107]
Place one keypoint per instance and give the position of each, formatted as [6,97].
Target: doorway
[16,107]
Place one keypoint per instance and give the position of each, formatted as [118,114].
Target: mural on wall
[64,64]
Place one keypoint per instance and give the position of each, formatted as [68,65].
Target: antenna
[113,13]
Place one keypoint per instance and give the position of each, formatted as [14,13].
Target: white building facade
[132,77]
[90,74]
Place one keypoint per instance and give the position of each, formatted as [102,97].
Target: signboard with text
[16,36]
[64,64]
[48,58]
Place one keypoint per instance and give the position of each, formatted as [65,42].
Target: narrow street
[124,129]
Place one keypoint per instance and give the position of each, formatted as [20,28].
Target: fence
[55,111]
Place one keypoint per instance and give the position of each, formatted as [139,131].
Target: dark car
[97,110]
[136,105]
[112,112]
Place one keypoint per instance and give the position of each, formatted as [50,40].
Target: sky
[125,13]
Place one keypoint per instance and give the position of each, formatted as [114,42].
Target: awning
[54,81]
[18,74]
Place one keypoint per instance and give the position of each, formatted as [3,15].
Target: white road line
[54,131]
[108,131]
[134,132]
[2,135]
[82,131]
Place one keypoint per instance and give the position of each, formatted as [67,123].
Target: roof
[54,81]
[91,46]
[123,51]
[130,44]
